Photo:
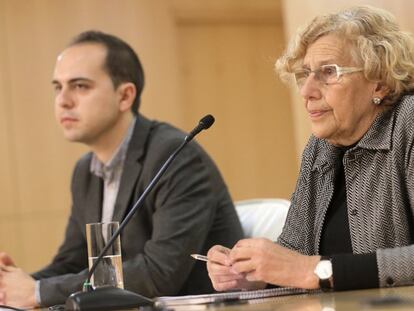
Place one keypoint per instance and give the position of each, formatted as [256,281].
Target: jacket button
[354,212]
[390,281]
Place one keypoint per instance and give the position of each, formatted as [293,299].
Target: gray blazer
[189,211]
[379,174]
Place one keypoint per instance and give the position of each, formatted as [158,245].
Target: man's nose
[64,99]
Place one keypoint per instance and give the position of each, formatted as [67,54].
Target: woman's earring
[376,101]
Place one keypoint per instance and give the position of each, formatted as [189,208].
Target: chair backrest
[262,217]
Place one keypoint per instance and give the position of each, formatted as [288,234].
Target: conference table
[398,298]
[383,299]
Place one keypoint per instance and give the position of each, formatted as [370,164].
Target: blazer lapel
[132,167]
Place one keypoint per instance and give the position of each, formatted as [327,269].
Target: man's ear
[127,93]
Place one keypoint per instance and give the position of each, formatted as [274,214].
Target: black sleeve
[355,271]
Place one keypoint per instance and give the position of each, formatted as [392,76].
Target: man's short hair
[121,63]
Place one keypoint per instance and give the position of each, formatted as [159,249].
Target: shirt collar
[107,170]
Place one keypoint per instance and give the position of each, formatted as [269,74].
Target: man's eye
[81,86]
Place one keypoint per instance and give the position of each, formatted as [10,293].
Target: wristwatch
[323,271]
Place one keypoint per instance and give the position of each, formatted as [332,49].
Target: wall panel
[10,234]
[227,69]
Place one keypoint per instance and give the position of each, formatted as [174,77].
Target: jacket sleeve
[68,269]
[396,265]
[185,204]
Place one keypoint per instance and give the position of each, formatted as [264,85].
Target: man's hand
[220,271]
[265,261]
[6,260]
[17,288]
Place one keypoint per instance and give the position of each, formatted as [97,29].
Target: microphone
[108,297]
[204,124]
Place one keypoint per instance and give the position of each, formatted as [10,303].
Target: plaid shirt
[379,174]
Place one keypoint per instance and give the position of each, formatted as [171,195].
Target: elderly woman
[351,222]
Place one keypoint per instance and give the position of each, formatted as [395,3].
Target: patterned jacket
[379,174]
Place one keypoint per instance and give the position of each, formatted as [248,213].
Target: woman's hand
[222,274]
[265,261]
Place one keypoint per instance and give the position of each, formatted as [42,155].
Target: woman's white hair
[384,51]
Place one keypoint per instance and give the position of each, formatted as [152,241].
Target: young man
[98,80]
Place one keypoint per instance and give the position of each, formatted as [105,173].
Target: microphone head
[207,121]
[204,124]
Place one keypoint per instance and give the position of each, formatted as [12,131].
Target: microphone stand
[108,297]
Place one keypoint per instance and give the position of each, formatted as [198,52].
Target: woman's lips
[314,114]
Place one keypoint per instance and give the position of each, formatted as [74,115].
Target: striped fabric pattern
[379,173]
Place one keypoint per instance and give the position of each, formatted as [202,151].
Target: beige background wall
[213,56]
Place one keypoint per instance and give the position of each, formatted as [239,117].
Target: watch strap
[326,284]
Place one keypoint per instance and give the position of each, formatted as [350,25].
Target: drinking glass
[109,270]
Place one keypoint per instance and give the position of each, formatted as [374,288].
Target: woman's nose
[311,88]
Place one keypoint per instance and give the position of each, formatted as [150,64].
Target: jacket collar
[378,137]
[132,166]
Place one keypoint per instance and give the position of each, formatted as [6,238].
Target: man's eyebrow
[73,80]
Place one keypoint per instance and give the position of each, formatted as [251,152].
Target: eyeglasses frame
[340,71]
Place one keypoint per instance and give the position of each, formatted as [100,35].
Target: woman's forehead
[328,49]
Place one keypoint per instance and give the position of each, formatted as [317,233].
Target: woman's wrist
[310,279]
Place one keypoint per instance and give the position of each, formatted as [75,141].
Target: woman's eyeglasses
[328,74]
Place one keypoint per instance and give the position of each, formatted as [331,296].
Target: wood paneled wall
[226,60]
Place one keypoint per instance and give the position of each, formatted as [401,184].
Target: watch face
[324,269]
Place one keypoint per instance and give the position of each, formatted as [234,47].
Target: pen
[199,257]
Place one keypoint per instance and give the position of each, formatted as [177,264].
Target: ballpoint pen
[199,257]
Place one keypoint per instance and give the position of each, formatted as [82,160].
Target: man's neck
[104,148]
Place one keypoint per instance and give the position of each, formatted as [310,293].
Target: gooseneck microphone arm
[85,300]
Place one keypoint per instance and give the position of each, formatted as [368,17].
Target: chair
[262,217]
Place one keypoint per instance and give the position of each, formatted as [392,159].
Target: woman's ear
[127,93]
[381,90]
